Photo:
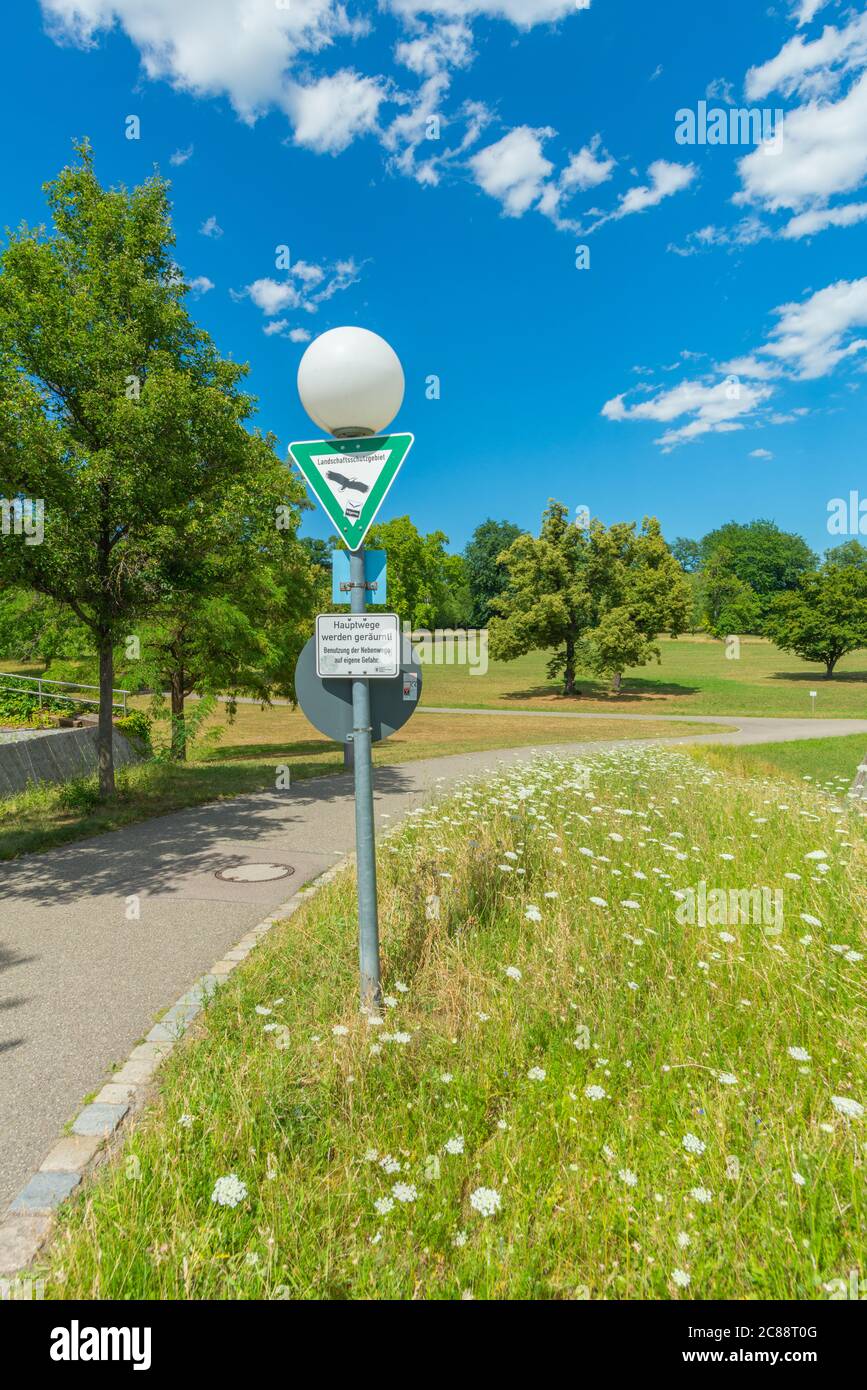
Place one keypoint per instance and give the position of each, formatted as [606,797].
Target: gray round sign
[328,703]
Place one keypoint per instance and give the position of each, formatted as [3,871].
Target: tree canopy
[824,618]
[117,409]
[486,577]
[599,596]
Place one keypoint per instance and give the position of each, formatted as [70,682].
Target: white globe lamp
[351,382]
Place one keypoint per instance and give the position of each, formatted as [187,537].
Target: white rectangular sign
[357,644]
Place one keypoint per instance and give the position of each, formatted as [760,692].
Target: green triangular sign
[350,477]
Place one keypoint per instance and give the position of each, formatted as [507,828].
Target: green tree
[638,590]
[34,627]
[728,604]
[419,582]
[599,595]
[114,407]
[486,577]
[850,552]
[825,618]
[761,555]
[687,553]
[457,601]
[238,601]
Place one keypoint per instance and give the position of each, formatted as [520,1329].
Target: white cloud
[199,286]
[808,223]
[211,227]
[310,274]
[713,408]
[823,152]
[804,10]
[811,68]
[280,327]
[271,295]
[666,178]
[752,367]
[808,340]
[586,169]
[523,13]
[761,454]
[345,273]
[448,45]
[181,156]
[746,232]
[211,47]
[258,54]
[514,169]
[811,338]
[589,168]
[274,296]
[719,90]
[328,114]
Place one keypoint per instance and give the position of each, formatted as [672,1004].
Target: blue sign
[374,575]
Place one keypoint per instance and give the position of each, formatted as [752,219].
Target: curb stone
[26,1225]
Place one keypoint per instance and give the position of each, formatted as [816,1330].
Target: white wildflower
[229,1191]
[485,1200]
[846,1106]
[404,1192]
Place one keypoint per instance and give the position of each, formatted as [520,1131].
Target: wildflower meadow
[571,1091]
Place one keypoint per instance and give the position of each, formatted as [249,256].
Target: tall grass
[647,1107]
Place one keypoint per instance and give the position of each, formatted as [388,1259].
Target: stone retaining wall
[57,757]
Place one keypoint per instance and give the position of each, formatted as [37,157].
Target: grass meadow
[828,763]
[694,676]
[570,1092]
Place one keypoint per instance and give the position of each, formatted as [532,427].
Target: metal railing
[40,683]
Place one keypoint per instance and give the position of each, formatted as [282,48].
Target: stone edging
[27,1223]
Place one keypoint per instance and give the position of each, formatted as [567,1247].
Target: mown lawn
[830,763]
[694,677]
[247,757]
[569,1092]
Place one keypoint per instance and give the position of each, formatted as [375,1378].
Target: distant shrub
[80,795]
[136,726]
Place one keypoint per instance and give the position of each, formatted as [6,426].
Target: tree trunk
[179,730]
[569,668]
[829,668]
[616,680]
[105,750]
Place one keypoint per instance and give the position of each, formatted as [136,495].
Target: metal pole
[368,925]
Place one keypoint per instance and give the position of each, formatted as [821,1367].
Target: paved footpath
[80,984]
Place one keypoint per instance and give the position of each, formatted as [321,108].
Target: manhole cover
[254,873]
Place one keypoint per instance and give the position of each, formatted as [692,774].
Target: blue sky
[306,124]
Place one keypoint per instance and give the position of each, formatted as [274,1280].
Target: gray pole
[368,925]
